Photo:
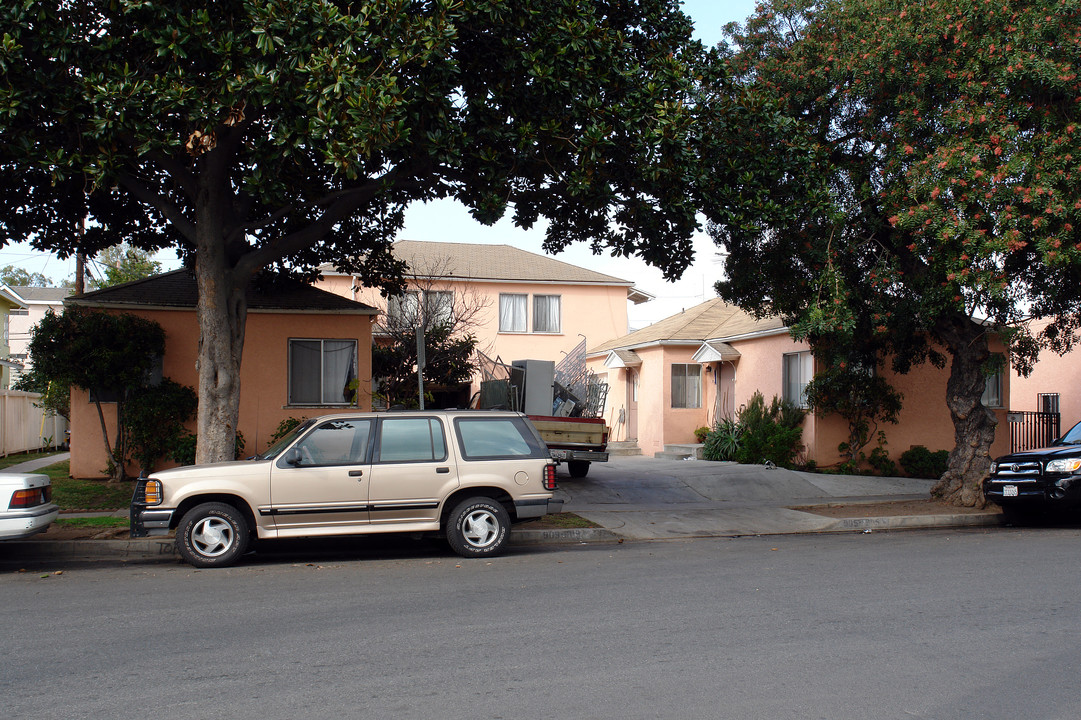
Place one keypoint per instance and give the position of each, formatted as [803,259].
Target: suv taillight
[549,477]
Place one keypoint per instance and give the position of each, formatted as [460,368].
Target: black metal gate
[1030,430]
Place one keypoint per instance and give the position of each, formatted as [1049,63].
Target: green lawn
[73,494]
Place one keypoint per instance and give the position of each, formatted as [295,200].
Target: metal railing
[1030,430]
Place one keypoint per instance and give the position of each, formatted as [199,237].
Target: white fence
[25,426]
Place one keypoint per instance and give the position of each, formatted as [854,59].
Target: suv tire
[212,535]
[478,527]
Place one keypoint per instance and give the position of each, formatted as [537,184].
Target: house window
[992,390]
[18,311]
[546,313]
[797,370]
[402,309]
[440,307]
[512,313]
[321,371]
[686,385]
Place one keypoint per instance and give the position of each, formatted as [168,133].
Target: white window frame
[513,313]
[687,386]
[544,319]
[336,388]
[797,369]
[992,390]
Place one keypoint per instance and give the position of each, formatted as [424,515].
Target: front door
[320,485]
[411,470]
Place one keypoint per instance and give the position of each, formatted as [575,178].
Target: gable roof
[712,320]
[177,290]
[497,263]
[39,295]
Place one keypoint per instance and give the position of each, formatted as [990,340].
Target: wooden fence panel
[24,426]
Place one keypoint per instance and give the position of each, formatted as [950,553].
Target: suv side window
[411,440]
[494,438]
[337,442]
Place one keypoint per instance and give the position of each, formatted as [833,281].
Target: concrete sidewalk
[636,498]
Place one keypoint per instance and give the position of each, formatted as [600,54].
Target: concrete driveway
[650,498]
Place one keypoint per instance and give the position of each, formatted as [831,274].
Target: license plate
[1009,491]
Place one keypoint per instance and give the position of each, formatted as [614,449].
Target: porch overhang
[715,351]
[623,359]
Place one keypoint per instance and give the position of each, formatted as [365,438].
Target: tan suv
[467,474]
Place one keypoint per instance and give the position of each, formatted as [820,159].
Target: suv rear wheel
[212,535]
[478,527]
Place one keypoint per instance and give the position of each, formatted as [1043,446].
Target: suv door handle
[356,473]
[442,470]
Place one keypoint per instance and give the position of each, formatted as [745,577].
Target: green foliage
[123,263]
[293,135]
[154,418]
[108,354]
[853,391]
[925,172]
[449,359]
[19,277]
[182,448]
[760,434]
[769,434]
[55,396]
[285,427]
[920,462]
[701,433]
[722,443]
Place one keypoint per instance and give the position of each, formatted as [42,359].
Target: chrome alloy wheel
[480,528]
[212,536]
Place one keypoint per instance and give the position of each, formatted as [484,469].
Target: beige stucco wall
[263,377]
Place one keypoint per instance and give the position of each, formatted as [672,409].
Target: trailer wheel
[578,468]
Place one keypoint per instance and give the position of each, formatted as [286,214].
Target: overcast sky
[449,222]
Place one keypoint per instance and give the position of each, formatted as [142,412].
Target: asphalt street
[957,624]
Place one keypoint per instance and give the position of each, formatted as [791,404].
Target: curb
[163,550]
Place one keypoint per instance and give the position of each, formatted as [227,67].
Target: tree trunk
[973,424]
[221,311]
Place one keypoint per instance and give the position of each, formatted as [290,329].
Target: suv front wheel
[212,535]
[478,527]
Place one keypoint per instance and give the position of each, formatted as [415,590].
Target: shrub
[722,443]
[182,450]
[701,433]
[920,462]
[154,420]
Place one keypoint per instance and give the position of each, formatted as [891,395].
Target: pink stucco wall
[1053,374]
[263,373]
[924,420]
[594,313]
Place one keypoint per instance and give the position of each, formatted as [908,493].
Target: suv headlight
[1064,465]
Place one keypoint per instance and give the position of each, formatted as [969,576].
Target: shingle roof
[177,289]
[41,294]
[475,261]
[712,320]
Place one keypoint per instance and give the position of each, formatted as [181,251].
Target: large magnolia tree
[273,134]
[926,193]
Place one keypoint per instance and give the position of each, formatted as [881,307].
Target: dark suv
[1036,480]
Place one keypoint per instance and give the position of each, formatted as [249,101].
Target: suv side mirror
[292,457]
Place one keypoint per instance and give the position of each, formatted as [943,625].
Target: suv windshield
[272,452]
[1073,437]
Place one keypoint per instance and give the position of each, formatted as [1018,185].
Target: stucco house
[704,363]
[302,346]
[528,306]
[37,301]
[10,303]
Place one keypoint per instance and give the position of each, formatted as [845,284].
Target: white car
[26,506]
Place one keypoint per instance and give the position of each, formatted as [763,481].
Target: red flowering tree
[941,187]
